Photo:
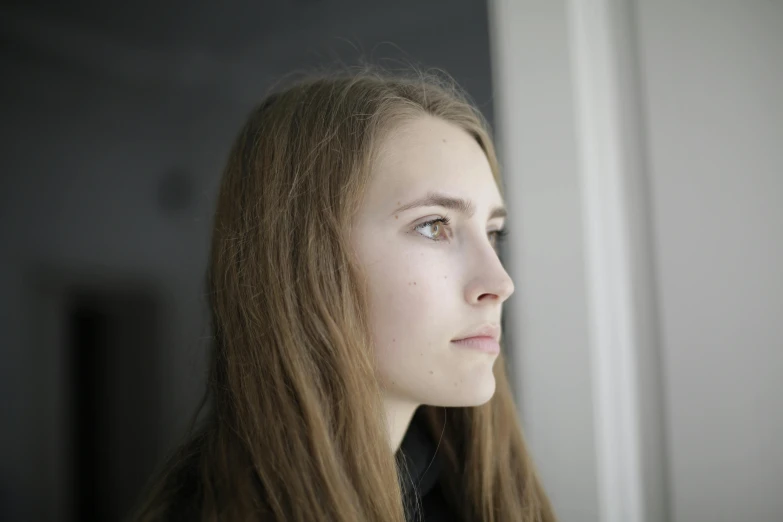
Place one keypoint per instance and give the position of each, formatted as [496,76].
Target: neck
[399,413]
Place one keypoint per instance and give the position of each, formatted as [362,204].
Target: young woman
[356,297]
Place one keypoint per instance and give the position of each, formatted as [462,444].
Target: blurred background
[643,150]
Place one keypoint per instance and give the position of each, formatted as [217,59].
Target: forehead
[428,154]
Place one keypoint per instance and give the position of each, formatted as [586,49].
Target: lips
[487,330]
[481,344]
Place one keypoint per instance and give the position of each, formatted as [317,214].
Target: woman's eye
[496,236]
[434,229]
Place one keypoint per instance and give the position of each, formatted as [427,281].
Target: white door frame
[602,129]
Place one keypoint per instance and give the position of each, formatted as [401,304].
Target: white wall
[688,116]
[713,76]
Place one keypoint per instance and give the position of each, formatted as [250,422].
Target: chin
[480,399]
[476,394]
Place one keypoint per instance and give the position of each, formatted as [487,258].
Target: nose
[490,282]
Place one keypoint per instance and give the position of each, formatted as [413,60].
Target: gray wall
[706,82]
[713,76]
[116,125]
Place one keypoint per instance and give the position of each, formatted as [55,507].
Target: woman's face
[432,283]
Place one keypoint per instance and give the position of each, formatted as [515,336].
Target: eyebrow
[438,199]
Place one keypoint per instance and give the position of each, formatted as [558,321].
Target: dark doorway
[114,389]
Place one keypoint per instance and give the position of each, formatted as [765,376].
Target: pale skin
[429,283]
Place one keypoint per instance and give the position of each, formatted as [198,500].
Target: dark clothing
[419,450]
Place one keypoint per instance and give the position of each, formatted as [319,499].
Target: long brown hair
[295,429]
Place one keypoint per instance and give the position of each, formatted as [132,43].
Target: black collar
[418,449]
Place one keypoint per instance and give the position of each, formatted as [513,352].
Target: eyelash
[499,234]
[444,220]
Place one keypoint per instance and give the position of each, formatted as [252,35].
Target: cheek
[411,318]
[410,298]
[416,311]
[413,293]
